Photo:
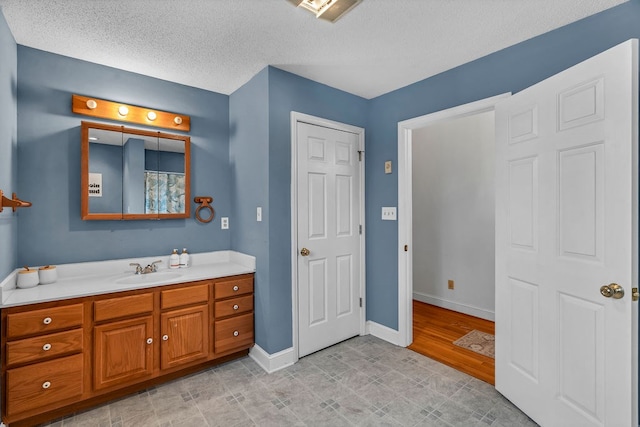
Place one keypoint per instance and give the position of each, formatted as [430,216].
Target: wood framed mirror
[129,174]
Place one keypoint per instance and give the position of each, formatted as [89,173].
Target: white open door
[566,225]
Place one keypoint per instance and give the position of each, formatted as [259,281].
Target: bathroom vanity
[73,352]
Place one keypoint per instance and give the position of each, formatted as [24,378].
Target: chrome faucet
[151,268]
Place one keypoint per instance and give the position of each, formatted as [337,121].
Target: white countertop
[101,277]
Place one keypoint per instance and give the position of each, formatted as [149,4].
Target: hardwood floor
[435,329]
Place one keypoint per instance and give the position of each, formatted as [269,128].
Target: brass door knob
[612,290]
[305,252]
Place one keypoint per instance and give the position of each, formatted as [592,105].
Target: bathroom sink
[148,278]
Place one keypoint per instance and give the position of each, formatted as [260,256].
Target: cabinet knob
[46,347]
[46,320]
[46,385]
[236,333]
[235,288]
[165,337]
[236,306]
[150,340]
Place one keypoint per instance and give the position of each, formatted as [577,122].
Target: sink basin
[148,278]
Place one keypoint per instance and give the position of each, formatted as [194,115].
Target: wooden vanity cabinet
[42,360]
[184,331]
[60,357]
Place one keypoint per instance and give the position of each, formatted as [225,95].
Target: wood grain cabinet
[64,356]
[42,365]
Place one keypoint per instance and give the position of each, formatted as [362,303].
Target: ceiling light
[329,10]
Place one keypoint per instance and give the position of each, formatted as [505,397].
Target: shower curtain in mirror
[164,192]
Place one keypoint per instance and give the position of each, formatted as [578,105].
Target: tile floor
[361,382]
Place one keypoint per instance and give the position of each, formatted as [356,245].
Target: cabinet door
[123,351]
[185,336]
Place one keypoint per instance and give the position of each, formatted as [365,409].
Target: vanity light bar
[104,109]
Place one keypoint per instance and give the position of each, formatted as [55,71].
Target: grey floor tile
[363,381]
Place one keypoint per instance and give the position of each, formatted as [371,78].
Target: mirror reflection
[133,174]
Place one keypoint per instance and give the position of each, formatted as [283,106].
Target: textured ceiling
[218,45]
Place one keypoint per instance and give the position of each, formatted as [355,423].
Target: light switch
[387,167]
[259,214]
[389,213]
[224,223]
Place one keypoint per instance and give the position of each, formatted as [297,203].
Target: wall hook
[204,202]
[13,203]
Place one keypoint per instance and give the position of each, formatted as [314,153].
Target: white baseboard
[383,332]
[455,306]
[272,362]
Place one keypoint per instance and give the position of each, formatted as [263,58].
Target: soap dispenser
[184,258]
[174,259]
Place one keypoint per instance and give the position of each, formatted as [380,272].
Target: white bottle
[174,259]
[184,258]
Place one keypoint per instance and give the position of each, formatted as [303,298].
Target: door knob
[612,290]
[305,252]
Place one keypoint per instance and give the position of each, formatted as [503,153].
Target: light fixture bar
[111,110]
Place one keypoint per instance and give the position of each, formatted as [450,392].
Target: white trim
[272,362]
[405,206]
[305,118]
[456,306]
[383,332]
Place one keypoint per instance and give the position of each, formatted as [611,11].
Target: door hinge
[360,302]
[360,228]
[406,248]
[634,294]
[360,153]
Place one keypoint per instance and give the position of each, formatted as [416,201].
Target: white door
[328,195]
[566,225]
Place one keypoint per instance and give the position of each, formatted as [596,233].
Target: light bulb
[123,111]
[178,120]
[91,104]
[151,115]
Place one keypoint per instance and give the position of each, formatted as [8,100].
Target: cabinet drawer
[32,349]
[230,288]
[44,320]
[43,384]
[131,305]
[234,333]
[233,306]
[184,296]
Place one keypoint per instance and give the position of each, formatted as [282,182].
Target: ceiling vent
[329,10]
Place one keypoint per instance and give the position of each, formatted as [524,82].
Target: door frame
[296,118]
[405,203]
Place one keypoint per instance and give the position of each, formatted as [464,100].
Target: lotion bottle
[184,258]
[174,259]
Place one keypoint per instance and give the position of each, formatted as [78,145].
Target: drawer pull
[46,347]
[165,337]
[236,333]
[47,320]
[149,340]
[46,385]
[236,288]
[236,306]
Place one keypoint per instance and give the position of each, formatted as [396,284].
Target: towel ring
[204,204]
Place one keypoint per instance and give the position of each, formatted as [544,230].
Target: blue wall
[249,156]
[509,70]
[52,232]
[8,148]
[261,166]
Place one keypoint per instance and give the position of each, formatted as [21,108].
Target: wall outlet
[387,167]
[224,223]
[450,284]
[389,213]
